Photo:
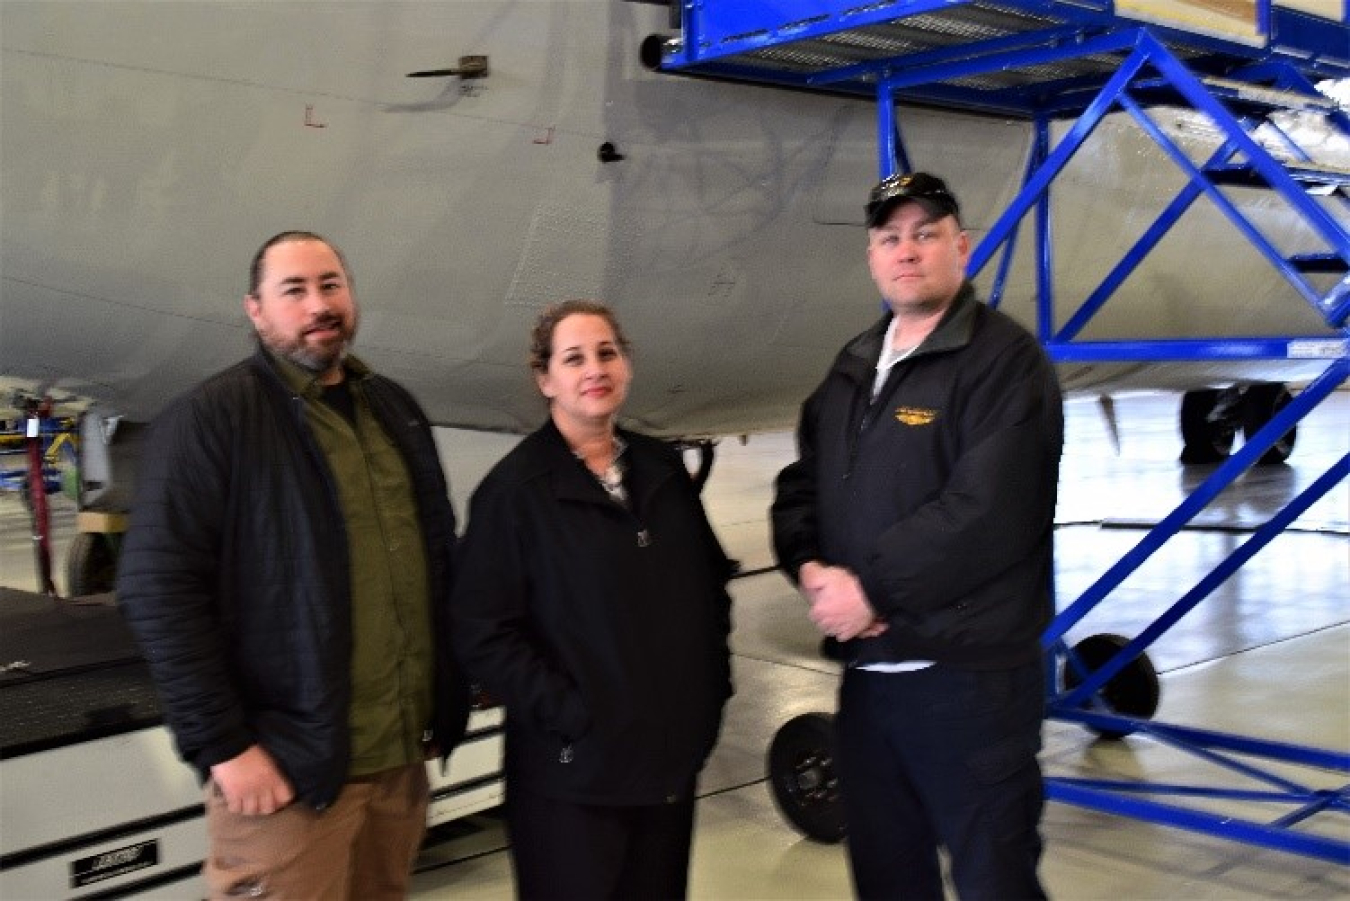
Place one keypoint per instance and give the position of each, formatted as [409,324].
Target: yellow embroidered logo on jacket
[915,416]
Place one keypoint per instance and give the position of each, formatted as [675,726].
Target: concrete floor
[1266,655]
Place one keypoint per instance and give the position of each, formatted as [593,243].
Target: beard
[316,358]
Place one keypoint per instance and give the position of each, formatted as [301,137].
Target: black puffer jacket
[234,575]
[940,494]
[603,631]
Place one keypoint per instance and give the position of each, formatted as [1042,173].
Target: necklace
[612,478]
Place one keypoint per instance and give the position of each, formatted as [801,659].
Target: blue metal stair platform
[1023,57]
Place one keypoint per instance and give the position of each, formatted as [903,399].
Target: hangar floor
[1268,655]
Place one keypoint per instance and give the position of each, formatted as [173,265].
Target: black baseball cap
[920,187]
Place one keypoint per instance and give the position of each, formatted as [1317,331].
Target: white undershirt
[908,666]
[889,357]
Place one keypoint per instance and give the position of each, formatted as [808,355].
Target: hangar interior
[1226,582]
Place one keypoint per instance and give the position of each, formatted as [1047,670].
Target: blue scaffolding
[1054,60]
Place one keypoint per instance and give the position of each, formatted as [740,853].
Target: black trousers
[942,756]
[561,850]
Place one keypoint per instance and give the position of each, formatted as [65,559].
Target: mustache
[325,321]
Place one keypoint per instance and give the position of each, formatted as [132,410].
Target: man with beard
[286,573]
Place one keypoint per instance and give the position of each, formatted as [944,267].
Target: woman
[591,600]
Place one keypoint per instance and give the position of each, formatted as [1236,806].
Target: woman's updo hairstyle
[541,337]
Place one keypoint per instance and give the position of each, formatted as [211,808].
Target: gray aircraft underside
[149,148]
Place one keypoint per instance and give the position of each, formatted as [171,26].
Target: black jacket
[234,575]
[940,495]
[603,631]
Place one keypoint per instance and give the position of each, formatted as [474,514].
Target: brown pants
[362,847]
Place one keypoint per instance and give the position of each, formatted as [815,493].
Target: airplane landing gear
[802,777]
[801,758]
[706,450]
[1260,403]
[1208,425]
[1210,420]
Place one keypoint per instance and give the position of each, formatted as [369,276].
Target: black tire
[91,565]
[1203,440]
[802,777]
[1134,691]
[1260,403]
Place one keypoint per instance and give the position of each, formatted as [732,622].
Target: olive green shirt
[392,653]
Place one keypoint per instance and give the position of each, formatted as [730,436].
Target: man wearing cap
[917,520]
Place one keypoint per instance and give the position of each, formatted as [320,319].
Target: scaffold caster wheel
[802,775]
[1134,691]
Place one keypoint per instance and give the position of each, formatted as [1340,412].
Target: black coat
[234,575]
[940,494]
[603,631]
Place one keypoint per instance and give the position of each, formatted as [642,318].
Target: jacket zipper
[855,439]
[869,416]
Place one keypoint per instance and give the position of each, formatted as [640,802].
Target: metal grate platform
[1010,56]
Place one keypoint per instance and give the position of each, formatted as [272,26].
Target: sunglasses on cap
[921,187]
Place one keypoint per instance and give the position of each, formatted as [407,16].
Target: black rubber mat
[68,673]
